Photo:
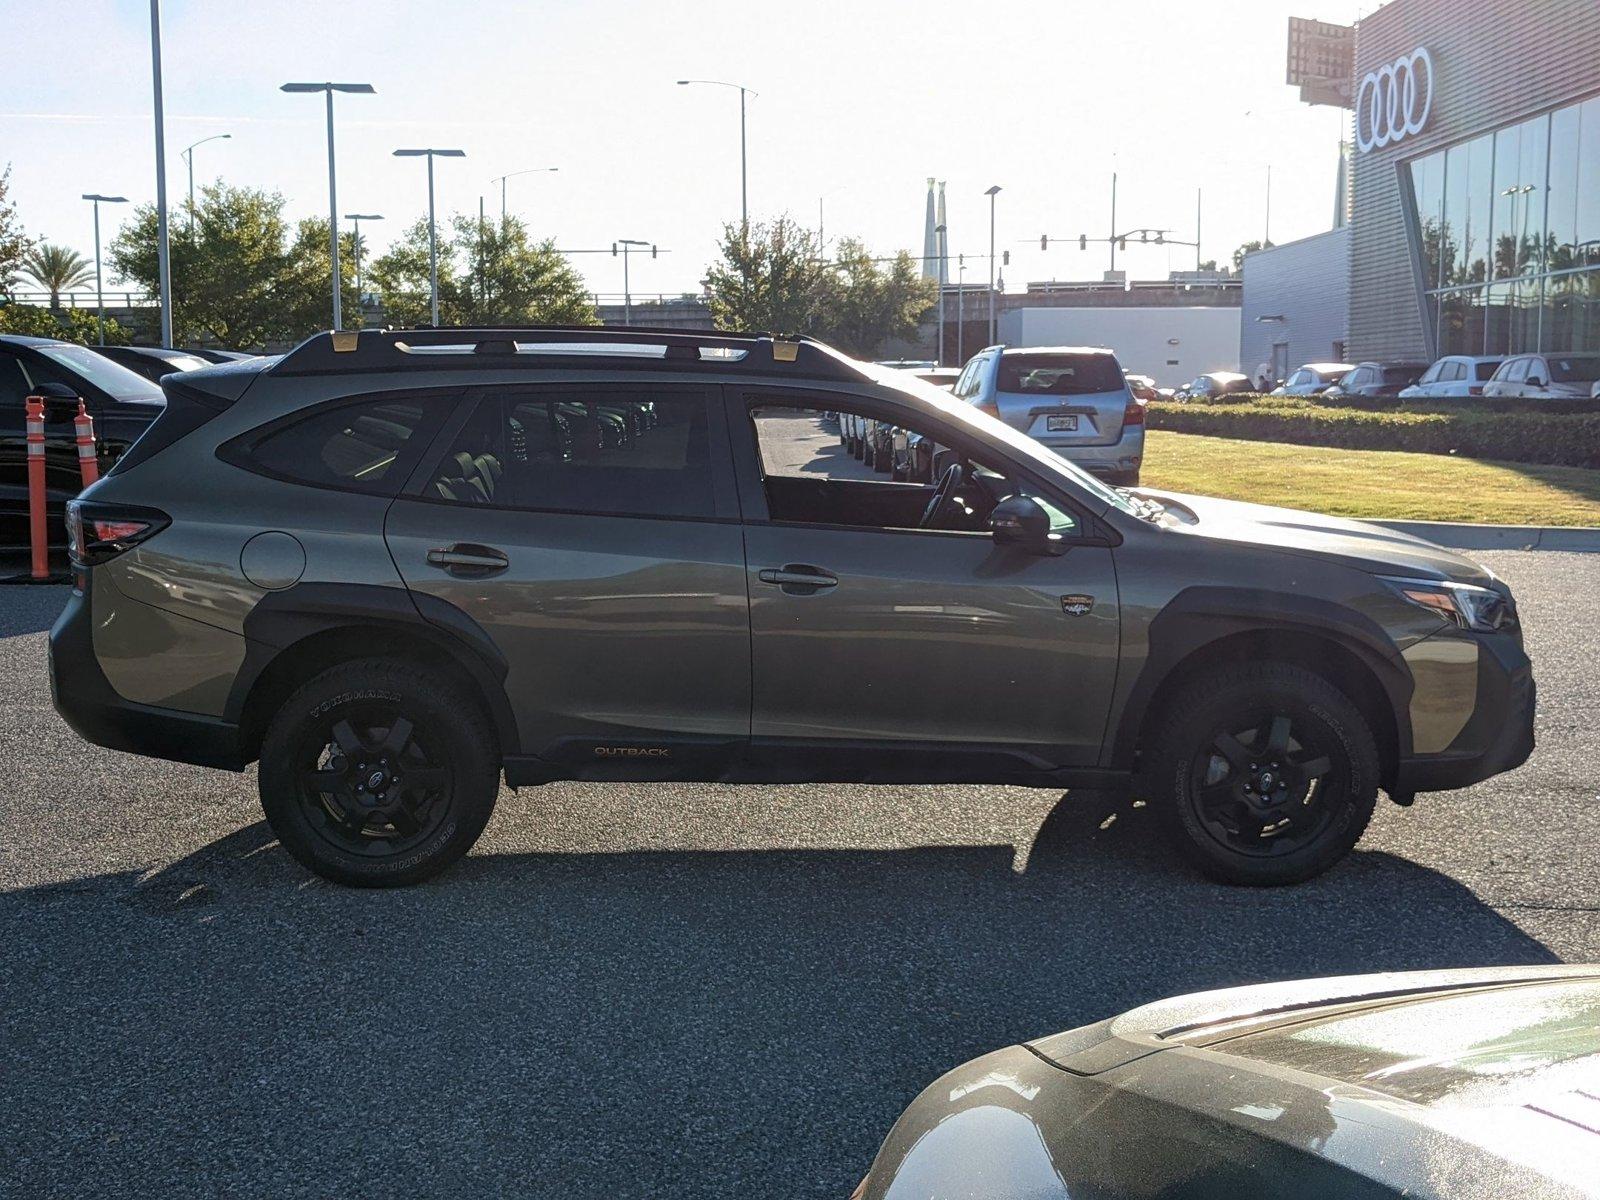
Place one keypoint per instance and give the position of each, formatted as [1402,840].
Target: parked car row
[1454,376]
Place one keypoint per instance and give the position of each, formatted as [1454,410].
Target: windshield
[1024,446]
[1577,369]
[112,378]
[1059,374]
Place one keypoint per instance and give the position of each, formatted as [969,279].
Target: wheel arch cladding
[294,634]
[1205,627]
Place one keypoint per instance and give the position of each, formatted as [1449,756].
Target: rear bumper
[1499,735]
[1120,457]
[91,706]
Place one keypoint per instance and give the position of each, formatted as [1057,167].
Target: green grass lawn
[1372,483]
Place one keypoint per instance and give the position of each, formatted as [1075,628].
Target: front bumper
[91,706]
[1499,735]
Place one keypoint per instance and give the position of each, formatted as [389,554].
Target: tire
[360,721]
[1214,766]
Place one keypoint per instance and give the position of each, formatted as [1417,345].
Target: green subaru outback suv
[392,565]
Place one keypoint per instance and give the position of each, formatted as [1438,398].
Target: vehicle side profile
[122,404]
[1313,379]
[393,566]
[1455,376]
[1545,377]
[1377,380]
[1469,1084]
[1216,383]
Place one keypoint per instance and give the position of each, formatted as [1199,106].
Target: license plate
[1061,424]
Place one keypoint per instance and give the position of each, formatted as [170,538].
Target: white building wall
[1171,345]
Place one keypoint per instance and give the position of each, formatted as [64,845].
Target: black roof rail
[447,348]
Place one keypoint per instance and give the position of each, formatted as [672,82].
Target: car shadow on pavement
[30,608]
[737,1023]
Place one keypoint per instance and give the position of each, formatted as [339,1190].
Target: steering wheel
[952,478]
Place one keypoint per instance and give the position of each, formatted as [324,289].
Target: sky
[856,105]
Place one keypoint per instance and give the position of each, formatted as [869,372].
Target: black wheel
[865,454]
[1264,774]
[377,774]
[882,462]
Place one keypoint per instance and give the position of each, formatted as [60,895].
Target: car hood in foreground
[1356,543]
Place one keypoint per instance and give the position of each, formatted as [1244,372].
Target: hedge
[1546,438]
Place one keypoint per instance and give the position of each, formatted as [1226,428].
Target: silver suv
[1073,399]
[392,566]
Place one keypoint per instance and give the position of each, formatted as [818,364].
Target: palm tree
[57,269]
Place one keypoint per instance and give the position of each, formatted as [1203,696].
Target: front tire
[377,773]
[1264,774]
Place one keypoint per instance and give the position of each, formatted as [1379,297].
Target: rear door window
[1059,374]
[637,452]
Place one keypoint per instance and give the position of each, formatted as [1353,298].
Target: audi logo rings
[1394,101]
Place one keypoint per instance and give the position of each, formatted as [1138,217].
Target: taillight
[98,531]
[1474,389]
[990,407]
[1134,413]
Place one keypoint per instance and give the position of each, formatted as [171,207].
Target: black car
[1481,1083]
[220,356]
[122,404]
[154,361]
[1377,381]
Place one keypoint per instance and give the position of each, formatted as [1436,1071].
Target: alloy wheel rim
[1268,783]
[371,783]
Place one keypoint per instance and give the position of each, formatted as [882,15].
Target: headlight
[1463,604]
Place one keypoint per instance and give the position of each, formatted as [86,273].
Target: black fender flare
[1204,615]
[285,618]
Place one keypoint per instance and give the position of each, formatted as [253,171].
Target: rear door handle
[467,559]
[796,575]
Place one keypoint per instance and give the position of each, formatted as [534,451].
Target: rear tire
[377,773]
[1263,774]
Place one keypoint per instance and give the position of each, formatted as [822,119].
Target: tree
[770,276]
[13,243]
[490,273]
[57,269]
[244,279]
[868,302]
[70,325]
[1238,255]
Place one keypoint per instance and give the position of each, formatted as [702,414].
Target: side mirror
[1535,381]
[60,401]
[1021,521]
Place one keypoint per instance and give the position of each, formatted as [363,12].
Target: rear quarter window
[352,446]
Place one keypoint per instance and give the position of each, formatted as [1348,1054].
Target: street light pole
[961,308]
[627,292]
[163,254]
[433,239]
[501,180]
[333,192]
[991,193]
[99,295]
[357,218]
[188,157]
[744,174]
[939,232]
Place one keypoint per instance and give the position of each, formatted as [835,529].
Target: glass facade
[1509,236]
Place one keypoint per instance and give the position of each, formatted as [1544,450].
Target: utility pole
[99,295]
[939,232]
[991,193]
[357,218]
[163,255]
[627,291]
[433,236]
[1113,238]
[328,89]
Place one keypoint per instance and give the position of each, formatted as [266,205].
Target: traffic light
[1005,258]
[1044,241]
[1122,243]
[613,249]
[652,250]
[1083,241]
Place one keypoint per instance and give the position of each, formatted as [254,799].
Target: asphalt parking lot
[664,991]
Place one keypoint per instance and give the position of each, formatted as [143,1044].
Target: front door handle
[468,559]
[798,576]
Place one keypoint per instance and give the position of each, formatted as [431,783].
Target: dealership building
[1474,188]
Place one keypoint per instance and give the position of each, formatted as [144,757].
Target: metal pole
[1199,194]
[163,255]
[189,158]
[991,268]
[1113,221]
[357,247]
[744,178]
[940,233]
[503,201]
[1266,231]
[433,247]
[627,294]
[961,308]
[99,296]
[333,220]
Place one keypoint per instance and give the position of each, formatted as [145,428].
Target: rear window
[366,446]
[1402,374]
[1459,1048]
[1575,369]
[1059,374]
[112,378]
